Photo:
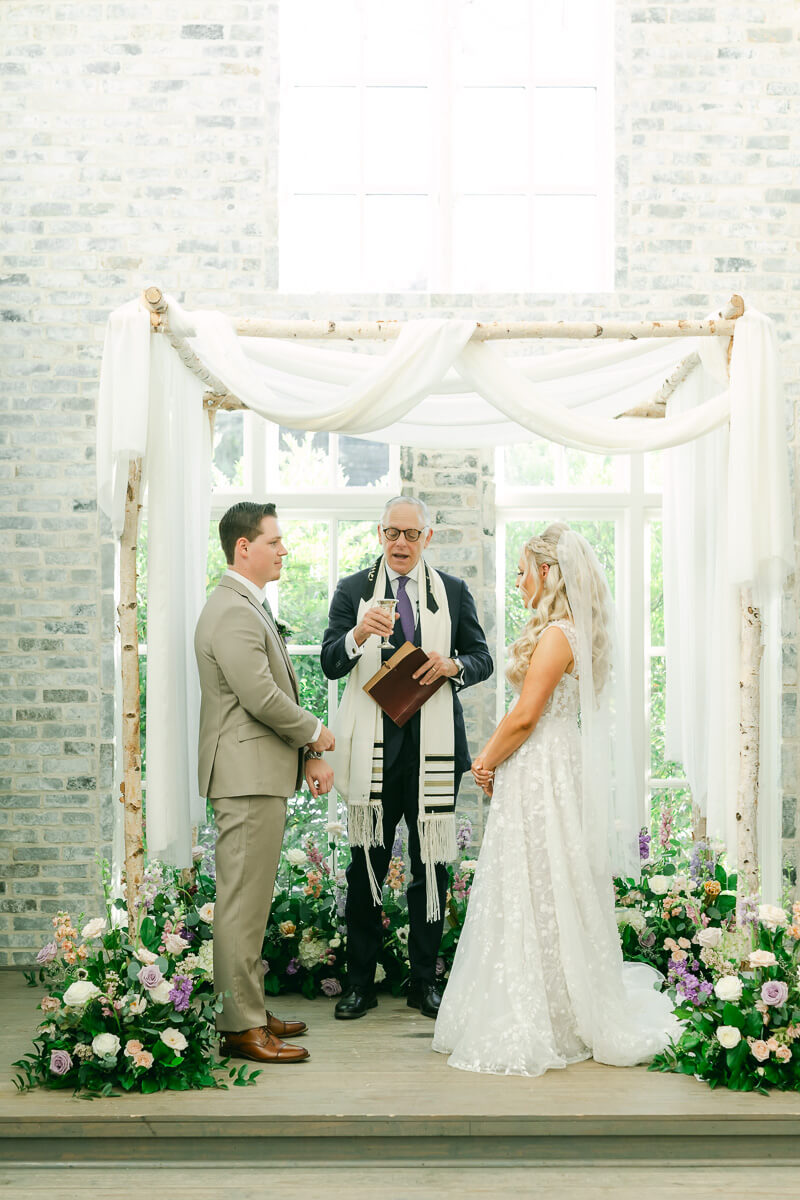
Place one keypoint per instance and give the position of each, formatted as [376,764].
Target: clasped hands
[482,775]
[318,773]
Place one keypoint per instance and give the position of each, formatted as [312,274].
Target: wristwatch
[313,754]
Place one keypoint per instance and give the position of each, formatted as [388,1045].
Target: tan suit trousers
[249,838]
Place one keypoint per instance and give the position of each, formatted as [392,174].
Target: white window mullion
[635,628]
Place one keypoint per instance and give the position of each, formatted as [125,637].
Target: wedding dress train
[538,979]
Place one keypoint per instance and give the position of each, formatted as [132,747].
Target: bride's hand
[482,776]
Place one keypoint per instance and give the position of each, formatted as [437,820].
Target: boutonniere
[284,631]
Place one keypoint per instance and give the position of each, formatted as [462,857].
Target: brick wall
[140,143]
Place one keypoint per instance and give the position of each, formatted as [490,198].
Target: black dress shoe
[426,997]
[354,1003]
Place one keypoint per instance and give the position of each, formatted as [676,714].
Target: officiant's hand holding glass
[377,621]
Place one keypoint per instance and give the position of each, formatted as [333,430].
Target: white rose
[679,881]
[380,974]
[174,943]
[771,916]
[335,942]
[160,993]
[728,1036]
[660,884]
[145,956]
[105,1045]
[93,929]
[137,1005]
[206,913]
[296,857]
[729,987]
[710,937]
[334,829]
[631,916]
[80,993]
[759,958]
[174,1039]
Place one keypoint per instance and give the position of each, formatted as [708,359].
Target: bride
[538,979]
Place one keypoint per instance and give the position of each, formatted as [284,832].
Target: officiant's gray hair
[420,505]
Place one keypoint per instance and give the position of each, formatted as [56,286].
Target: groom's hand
[483,777]
[435,668]
[375,620]
[319,776]
[325,741]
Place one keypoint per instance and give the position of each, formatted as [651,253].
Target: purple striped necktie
[405,609]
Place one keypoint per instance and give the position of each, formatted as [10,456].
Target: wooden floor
[375,1112]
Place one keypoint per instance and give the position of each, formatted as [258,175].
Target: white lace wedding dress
[538,979]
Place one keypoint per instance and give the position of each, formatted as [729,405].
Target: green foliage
[154,1038]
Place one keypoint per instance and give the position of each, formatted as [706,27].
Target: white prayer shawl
[358,759]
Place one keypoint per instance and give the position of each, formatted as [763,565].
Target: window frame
[633,508]
[441,86]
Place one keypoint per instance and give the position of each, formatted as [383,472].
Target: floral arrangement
[129,1012]
[740,1031]
[138,1013]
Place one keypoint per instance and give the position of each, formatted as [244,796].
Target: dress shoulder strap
[568,629]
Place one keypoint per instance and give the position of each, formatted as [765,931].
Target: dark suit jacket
[467,642]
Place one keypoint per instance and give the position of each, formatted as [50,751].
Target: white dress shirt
[259,594]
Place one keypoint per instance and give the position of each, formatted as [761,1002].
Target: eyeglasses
[411,535]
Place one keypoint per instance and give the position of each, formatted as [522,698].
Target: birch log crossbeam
[488,331]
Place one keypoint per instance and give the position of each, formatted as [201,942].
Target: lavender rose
[60,1062]
[774,992]
[150,977]
[46,955]
[331,987]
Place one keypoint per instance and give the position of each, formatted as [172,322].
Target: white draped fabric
[434,387]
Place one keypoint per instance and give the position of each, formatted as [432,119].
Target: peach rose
[759,1050]
[143,1058]
[783,1053]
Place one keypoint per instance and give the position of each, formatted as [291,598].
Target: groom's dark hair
[242,521]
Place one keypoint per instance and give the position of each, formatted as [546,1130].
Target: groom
[377,763]
[252,735]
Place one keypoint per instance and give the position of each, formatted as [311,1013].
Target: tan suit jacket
[252,728]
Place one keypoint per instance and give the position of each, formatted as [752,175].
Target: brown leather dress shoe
[259,1045]
[284,1029]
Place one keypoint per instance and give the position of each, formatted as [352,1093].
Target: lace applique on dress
[538,979]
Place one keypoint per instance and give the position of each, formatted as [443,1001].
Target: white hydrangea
[311,951]
[631,916]
[296,857]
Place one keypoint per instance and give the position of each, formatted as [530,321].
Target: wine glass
[388,607]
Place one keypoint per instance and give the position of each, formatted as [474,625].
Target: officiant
[386,772]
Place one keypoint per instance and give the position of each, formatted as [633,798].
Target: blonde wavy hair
[554,606]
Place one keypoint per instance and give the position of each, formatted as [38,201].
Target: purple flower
[330,987]
[464,833]
[644,845]
[441,965]
[747,910]
[46,955]
[150,977]
[181,992]
[292,966]
[774,992]
[60,1062]
[647,939]
[688,987]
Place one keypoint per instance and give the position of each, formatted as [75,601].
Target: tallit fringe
[365,828]
[437,841]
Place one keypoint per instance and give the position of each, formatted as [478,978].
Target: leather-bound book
[393,688]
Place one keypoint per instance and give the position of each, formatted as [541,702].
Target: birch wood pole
[127,610]
[749,711]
